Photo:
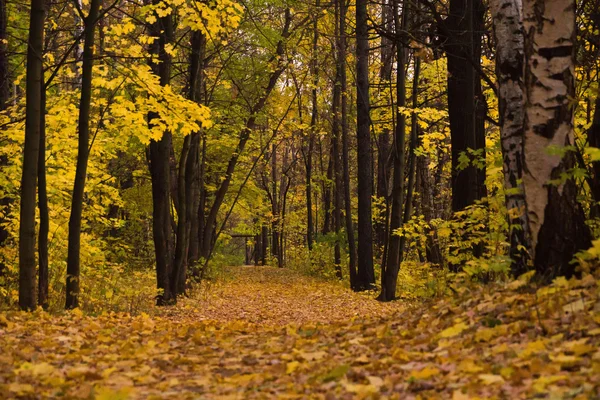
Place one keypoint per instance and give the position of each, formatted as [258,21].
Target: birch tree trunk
[556,220]
[508,32]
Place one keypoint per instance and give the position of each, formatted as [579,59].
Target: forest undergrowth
[264,332]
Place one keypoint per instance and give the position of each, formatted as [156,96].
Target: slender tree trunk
[508,31]
[341,73]
[389,273]
[83,128]
[181,245]
[275,204]
[43,207]
[194,179]
[30,156]
[313,128]
[412,156]
[383,140]
[365,273]
[265,244]
[556,220]
[159,154]
[335,145]
[5,85]
[327,195]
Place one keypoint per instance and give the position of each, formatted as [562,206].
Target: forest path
[268,333]
[270,296]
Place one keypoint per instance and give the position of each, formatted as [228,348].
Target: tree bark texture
[556,220]
[34,82]
[508,31]
[365,273]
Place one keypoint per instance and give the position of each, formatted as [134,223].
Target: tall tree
[466,104]
[83,129]
[43,274]
[508,31]
[5,84]
[389,274]
[365,273]
[34,81]
[308,157]
[343,83]
[159,153]
[556,220]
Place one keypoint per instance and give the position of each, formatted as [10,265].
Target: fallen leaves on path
[269,333]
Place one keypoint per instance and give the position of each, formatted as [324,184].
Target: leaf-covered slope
[240,340]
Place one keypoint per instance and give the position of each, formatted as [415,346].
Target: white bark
[508,32]
[549,80]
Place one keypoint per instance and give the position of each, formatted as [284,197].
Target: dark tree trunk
[83,128]
[43,207]
[327,195]
[30,156]
[335,145]
[265,244]
[5,80]
[466,105]
[181,245]
[341,76]
[365,273]
[412,157]
[5,85]
[389,273]
[308,157]
[383,140]
[194,178]
[275,205]
[159,155]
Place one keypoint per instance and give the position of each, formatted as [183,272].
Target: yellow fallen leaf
[533,348]
[360,389]
[375,381]
[575,306]
[454,330]
[291,367]
[458,395]
[539,385]
[566,360]
[469,366]
[425,373]
[490,379]
[312,355]
[484,334]
[20,388]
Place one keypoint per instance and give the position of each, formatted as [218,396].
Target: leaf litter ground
[270,333]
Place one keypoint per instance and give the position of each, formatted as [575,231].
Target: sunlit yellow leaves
[454,330]
[490,379]
[258,333]
[21,389]
[291,367]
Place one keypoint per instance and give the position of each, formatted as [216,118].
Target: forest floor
[270,333]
